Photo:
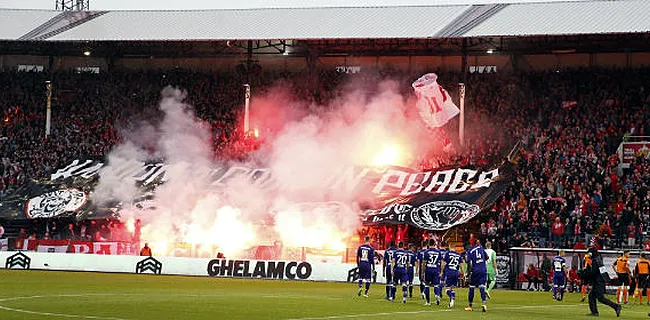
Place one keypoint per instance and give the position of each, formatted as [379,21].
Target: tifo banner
[433,200]
[259,269]
[440,200]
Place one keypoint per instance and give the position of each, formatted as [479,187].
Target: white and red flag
[569,104]
[434,102]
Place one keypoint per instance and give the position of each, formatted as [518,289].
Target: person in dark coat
[597,277]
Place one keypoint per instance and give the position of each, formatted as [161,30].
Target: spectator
[557,232]
[532,275]
[146,251]
[631,235]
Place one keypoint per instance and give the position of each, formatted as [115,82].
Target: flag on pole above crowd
[434,102]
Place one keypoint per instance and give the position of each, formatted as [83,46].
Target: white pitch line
[62,315]
[363,315]
[51,314]
[349,316]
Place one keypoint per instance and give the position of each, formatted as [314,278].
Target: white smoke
[304,157]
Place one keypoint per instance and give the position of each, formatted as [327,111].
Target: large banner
[432,200]
[74,246]
[450,197]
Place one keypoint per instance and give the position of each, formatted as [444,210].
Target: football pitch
[71,295]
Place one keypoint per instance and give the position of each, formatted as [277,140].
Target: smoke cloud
[305,150]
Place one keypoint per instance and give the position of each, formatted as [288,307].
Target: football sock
[427,294]
[481,288]
[470,295]
[367,286]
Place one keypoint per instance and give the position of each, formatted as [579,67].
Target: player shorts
[643,281]
[400,277]
[491,276]
[451,279]
[389,275]
[411,275]
[432,277]
[478,279]
[559,281]
[365,271]
[624,278]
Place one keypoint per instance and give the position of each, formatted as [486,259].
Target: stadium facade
[505,36]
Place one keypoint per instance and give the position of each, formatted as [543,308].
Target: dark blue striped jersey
[559,264]
[402,260]
[412,259]
[452,261]
[365,254]
[389,254]
[432,259]
[477,257]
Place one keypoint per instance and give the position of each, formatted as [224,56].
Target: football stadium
[482,160]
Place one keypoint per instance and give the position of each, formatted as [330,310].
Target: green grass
[67,295]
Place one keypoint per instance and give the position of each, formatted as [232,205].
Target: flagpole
[247,108]
[48,108]
[461,126]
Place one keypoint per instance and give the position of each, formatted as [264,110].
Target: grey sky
[229,4]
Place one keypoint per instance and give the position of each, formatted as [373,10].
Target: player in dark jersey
[451,271]
[366,264]
[389,254]
[559,276]
[411,269]
[431,265]
[418,266]
[442,248]
[476,262]
[400,265]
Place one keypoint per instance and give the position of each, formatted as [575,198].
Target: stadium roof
[16,23]
[407,22]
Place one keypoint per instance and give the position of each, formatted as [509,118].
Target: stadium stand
[568,170]
[570,188]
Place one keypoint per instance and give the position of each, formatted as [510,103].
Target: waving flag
[434,103]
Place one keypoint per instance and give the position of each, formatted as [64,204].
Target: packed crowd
[568,189]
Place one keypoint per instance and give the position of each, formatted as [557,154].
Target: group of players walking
[437,267]
[441,267]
